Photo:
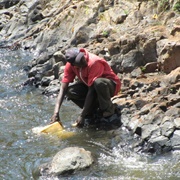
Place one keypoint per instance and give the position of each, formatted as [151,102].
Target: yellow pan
[51,128]
[56,129]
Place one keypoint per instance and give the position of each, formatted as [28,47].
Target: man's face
[81,63]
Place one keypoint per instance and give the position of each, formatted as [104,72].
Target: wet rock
[67,161]
[52,89]
[29,81]
[161,140]
[42,69]
[175,140]
[139,103]
[46,80]
[177,123]
[146,108]
[167,128]
[57,69]
[125,118]
[173,112]
[147,130]
[167,118]
[42,58]
[134,125]
[59,56]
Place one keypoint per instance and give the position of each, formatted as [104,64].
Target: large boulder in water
[67,161]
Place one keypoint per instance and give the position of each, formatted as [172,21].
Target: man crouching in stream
[97,84]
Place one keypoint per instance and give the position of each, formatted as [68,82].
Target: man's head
[74,57]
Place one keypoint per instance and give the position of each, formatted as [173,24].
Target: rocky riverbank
[140,40]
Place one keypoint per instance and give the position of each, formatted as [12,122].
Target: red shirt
[96,67]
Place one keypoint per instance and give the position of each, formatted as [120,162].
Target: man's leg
[77,93]
[105,90]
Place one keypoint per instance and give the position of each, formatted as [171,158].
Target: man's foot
[76,124]
[111,121]
[88,120]
[113,110]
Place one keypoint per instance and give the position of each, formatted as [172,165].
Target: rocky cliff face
[139,39]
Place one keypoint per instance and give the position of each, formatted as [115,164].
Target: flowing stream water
[22,151]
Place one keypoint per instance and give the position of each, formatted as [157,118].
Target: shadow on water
[22,151]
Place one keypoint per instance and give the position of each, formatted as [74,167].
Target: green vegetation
[143,69]
[177,7]
[87,9]
[164,5]
[101,17]
[105,33]
[126,12]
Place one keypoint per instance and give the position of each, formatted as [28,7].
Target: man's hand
[62,92]
[79,122]
[55,118]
